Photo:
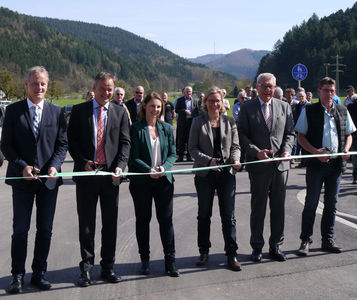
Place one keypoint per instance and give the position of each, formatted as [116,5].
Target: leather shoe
[257,255]
[203,260]
[233,263]
[38,280]
[110,276]
[145,268]
[189,158]
[170,269]
[304,248]
[84,279]
[16,284]
[277,254]
[329,245]
[180,159]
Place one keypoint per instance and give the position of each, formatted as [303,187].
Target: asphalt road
[318,276]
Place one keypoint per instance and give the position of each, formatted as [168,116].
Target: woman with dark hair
[214,141]
[153,151]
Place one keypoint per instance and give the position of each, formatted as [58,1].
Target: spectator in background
[242,97]
[226,104]
[187,109]
[309,97]
[336,99]
[169,109]
[200,101]
[90,96]
[289,95]
[119,95]
[352,109]
[278,93]
[350,90]
[134,104]
[248,91]
[254,94]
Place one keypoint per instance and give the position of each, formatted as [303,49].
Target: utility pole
[337,71]
[326,68]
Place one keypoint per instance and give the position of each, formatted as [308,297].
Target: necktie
[267,115]
[100,155]
[36,120]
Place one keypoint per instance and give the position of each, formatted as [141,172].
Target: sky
[190,28]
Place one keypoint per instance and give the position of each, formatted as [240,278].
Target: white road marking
[301,197]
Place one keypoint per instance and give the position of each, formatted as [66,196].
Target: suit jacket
[141,152]
[255,136]
[19,145]
[81,139]
[131,106]
[200,144]
[181,107]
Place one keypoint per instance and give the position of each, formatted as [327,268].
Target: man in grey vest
[323,127]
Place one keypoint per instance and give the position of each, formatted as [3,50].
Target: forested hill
[74,52]
[313,44]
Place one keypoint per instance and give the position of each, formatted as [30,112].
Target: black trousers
[88,192]
[267,182]
[182,135]
[225,185]
[161,190]
[23,201]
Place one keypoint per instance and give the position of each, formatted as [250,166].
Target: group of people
[105,136]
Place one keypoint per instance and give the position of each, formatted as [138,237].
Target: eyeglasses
[328,91]
[244,98]
[140,93]
[267,86]
[120,94]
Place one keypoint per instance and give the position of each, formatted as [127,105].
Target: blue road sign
[299,72]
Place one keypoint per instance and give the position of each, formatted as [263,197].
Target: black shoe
[189,158]
[84,279]
[233,263]
[38,280]
[257,255]
[170,269]
[304,248]
[203,260]
[329,245]
[16,284]
[354,182]
[277,254]
[110,276]
[145,268]
[180,159]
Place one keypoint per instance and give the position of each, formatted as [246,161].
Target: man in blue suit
[34,142]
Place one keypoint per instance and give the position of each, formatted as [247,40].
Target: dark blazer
[140,154]
[131,105]
[21,149]
[255,136]
[181,107]
[81,136]
[200,142]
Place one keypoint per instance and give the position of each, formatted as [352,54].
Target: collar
[262,102]
[30,104]
[96,104]
[331,109]
[188,98]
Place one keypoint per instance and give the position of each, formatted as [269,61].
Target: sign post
[299,73]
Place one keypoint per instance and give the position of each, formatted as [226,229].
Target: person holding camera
[214,141]
[153,151]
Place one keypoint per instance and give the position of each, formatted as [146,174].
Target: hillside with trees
[314,43]
[73,52]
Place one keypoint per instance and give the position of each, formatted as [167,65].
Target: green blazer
[141,153]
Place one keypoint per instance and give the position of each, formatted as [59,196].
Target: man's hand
[237,165]
[52,171]
[89,166]
[30,173]
[188,112]
[214,163]
[285,154]
[323,159]
[117,171]
[154,174]
[263,154]
[345,157]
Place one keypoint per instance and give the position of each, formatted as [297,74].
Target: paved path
[318,276]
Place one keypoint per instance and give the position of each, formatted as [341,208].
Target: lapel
[110,120]
[45,114]
[208,128]
[28,117]
[260,116]
[222,126]
[275,112]
[89,117]
[147,138]
[160,129]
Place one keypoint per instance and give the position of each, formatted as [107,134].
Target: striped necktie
[36,120]
[267,115]
[100,154]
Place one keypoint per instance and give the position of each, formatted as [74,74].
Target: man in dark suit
[266,129]
[34,142]
[99,139]
[134,104]
[187,108]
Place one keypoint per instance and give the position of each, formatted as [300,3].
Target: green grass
[63,101]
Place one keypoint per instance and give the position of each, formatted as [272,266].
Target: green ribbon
[103,173]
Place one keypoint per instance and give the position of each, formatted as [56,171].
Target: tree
[6,86]
[53,90]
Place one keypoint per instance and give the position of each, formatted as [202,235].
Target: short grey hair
[266,75]
[278,92]
[242,93]
[118,89]
[36,69]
